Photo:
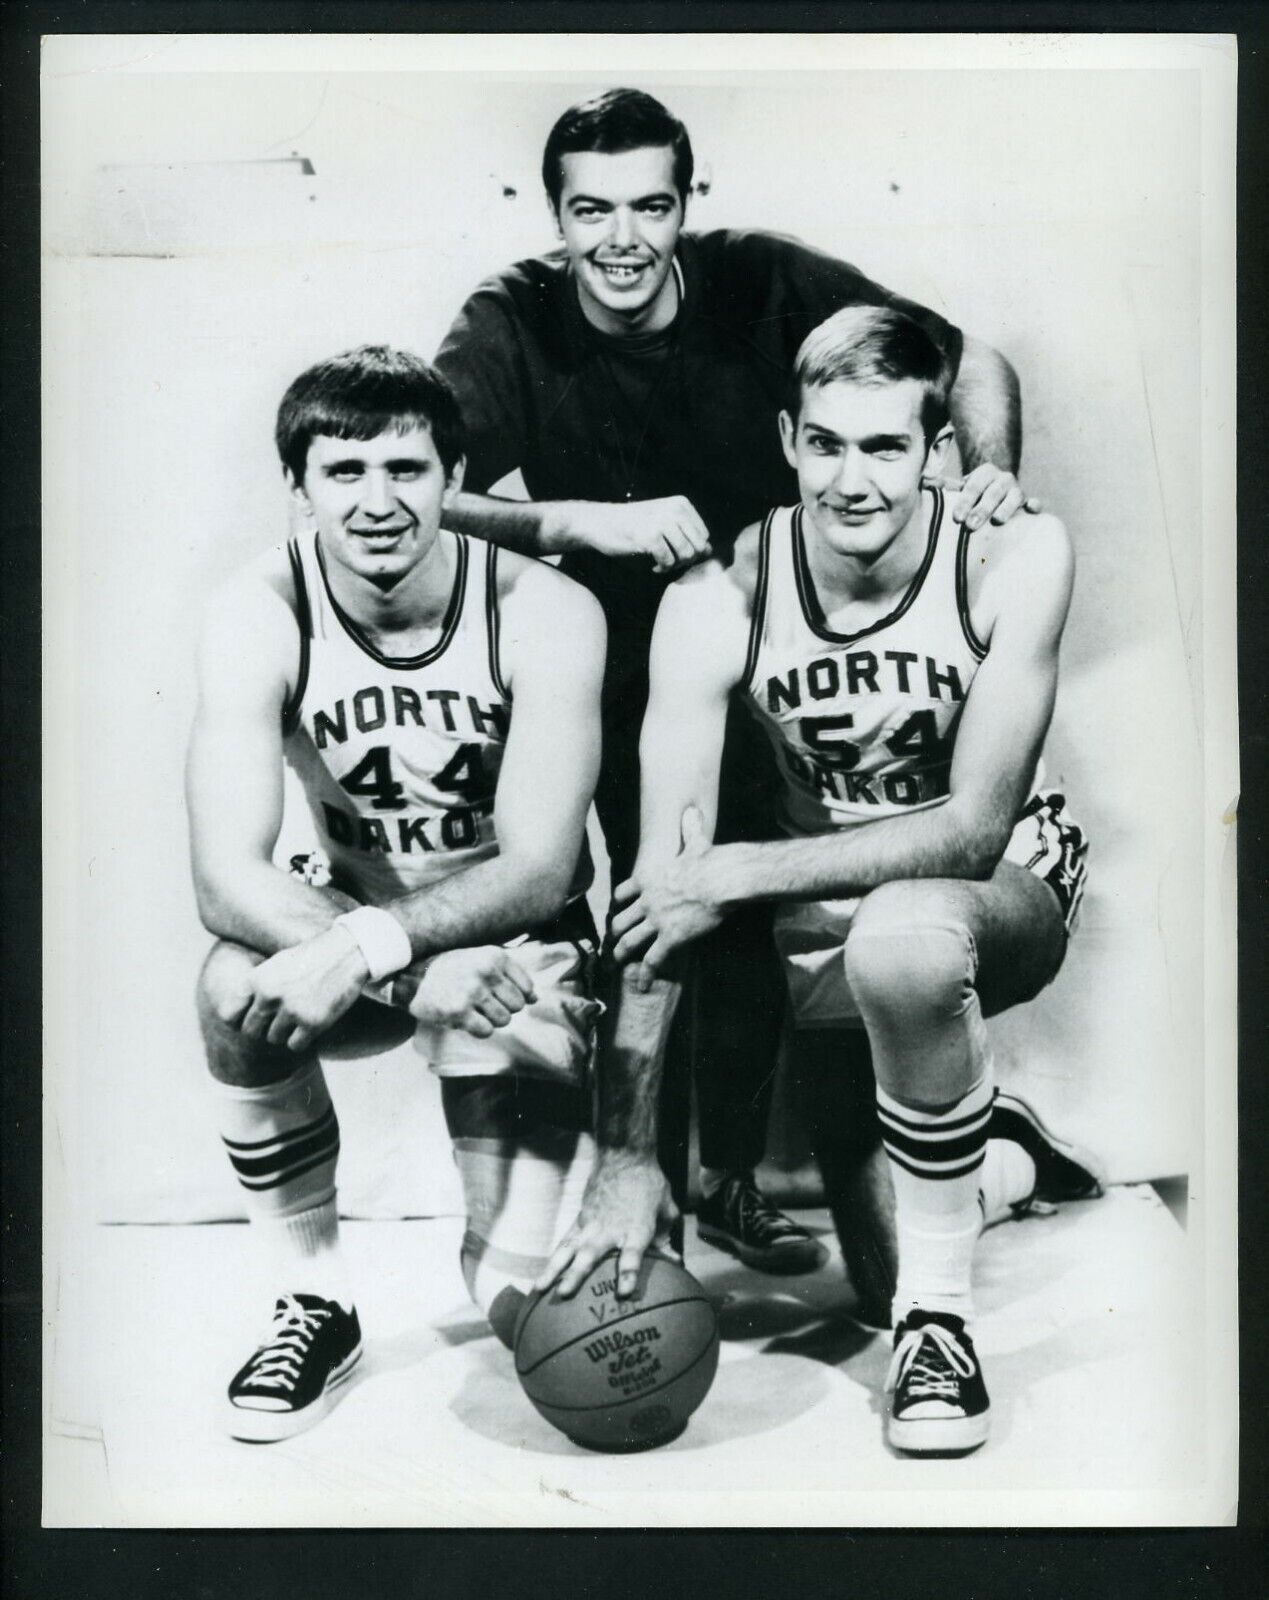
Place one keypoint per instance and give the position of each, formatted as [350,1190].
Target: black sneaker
[1063,1171]
[740,1219]
[939,1403]
[295,1378]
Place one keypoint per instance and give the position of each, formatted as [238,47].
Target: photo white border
[1211,1499]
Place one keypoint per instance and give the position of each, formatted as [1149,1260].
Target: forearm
[532,527]
[948,841]
[484,904]
[264,908]
[986,409]
[632,1036]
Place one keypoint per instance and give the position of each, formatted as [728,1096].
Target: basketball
[619,1374]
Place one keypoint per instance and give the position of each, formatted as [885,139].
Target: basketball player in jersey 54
[905,672]
[439,700]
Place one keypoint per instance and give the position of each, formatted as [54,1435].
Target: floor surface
[1081,1329]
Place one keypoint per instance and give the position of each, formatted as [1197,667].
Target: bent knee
[910,954]
[224,988]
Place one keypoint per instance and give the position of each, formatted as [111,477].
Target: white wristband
[380,937]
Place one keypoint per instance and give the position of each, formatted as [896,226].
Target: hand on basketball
[301,992]
[668,532]
[626,1208]
[669,905]
[477,990]
[988,493]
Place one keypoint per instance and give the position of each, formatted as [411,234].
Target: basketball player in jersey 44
[905,672]
[439,701]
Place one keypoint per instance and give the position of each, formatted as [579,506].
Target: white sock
[283,1144]
[935,1162]
[1007,1177]
[303,1253]
[519,1204]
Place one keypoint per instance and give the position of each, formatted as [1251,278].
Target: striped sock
[935,1161]
[283,1143]
[519,1202]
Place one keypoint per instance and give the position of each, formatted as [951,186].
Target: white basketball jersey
[863,724]
[399,757]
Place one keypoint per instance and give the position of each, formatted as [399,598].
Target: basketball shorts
[810,935]
[552,1038]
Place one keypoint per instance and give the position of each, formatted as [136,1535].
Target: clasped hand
[666,906]
[301,992]
[477,990]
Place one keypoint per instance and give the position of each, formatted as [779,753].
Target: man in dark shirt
[634,378]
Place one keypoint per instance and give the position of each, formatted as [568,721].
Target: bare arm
[698,651]
[668,532]
[986,414]
[247,650]
[1002,728]
[986,408]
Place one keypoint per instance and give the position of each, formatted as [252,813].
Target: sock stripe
[513,1263]
[323,1144]
[321,1139]
[937,1174]
[275,1180]
[938,1151]
[278,1141]
[930,1128]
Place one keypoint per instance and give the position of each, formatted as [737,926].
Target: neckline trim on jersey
[813,612]
[449,622]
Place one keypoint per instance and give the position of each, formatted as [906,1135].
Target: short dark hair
[876,344]
[363,393]
[613,122]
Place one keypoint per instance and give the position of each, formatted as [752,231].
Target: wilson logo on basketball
[618,1343]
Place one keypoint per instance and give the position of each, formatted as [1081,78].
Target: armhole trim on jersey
[449,623]
[813,612]
[757,622]
[962,593]
[493,620]
[304,620]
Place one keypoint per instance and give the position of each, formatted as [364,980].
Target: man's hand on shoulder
[988,494]
[669,532]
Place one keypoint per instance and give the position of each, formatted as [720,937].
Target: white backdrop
[194,267]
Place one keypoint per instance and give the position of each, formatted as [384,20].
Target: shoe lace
[277,1364]
[931,1361]
[757,1217]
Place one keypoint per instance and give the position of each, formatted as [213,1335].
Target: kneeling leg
[524,1151]
[911,961]
[279,1129]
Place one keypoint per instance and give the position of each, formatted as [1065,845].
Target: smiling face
[860,452]
[377,502]
[620,217]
